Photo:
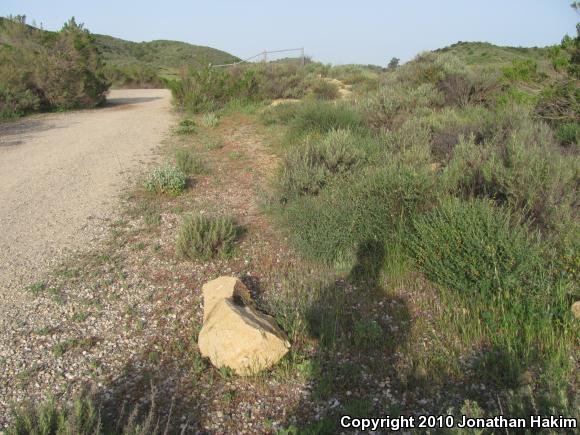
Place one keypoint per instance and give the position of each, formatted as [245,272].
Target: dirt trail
[60,171]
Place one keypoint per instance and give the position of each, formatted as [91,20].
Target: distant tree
[393,63]
[576,6]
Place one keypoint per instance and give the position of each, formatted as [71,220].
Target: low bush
[308,168]
[14,103]
[519,166]
[138,76]
[166,179]
[186,126]
[42,70]
[324,90]
[560,102]
[568,134]
[491,266]
[373,206]
[202,237]
[321,117]
[189,163]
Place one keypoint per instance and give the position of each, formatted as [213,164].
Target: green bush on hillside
[487,263]
[48,70]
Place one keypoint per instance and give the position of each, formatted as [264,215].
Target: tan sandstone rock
[234,333]
[576,309]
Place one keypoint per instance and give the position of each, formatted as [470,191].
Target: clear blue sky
[363,31]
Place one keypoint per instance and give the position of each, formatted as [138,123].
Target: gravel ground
[60,179]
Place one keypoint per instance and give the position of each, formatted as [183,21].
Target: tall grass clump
[189,163]
[210,120]
[487,263]
[322,117]
[166,179]
[82,418]
[203,237]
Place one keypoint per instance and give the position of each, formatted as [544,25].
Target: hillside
[484,54]
[161,54]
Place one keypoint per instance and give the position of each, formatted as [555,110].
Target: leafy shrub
[166,179]
[187,126]
[307,169]
[468,87]
[569,133]
[49,70]
[523,70]
[489,264]
[280,81]
[14,103]
[373,206]
[209,120]
[324,90]
[202,237]
[471,247]
[188,163]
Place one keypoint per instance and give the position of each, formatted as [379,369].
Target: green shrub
[187,126]
[308,168]
[523,70]
[471,247]
[520,166]
[569,133]
[166,179]
[48,70]
[15,103]
[321,117]
[324,90]
[375,205]
[487,264]
[202,237]
[189,163]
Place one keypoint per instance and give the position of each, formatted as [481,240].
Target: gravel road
[60,176]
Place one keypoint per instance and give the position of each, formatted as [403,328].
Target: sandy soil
[59,172]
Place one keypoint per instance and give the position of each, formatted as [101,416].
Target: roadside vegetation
[42,70]
[419,242]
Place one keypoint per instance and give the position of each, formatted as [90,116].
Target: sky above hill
[364,31]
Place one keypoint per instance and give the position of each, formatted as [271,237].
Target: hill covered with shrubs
[41,70]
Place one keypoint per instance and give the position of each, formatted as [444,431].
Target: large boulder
[234,333]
